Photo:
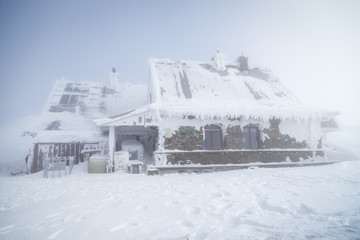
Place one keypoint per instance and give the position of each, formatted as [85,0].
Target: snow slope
[295,203]
[345,142]
[282,203]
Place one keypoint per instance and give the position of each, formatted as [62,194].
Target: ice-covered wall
[292,137]
[299,131]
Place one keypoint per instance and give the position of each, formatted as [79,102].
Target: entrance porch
[147,136]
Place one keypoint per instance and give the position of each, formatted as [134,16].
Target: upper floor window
[70,87]
[68,99]
[64,99]
[213,138]
[250,137]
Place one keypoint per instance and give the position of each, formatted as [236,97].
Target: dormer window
[64,99]
[54,125]
[68,99]
[74,99]
[76,89]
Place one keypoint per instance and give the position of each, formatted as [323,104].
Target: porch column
[111,148]
[311,140]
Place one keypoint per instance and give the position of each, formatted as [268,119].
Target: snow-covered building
[218,112]
[65,128]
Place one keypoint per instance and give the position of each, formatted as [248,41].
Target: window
[213,138]
[76,89]
[54,125]
[133,155]
[250,137]
[67,99]
[187,131]
[68,87]
[64,99]
[74,99]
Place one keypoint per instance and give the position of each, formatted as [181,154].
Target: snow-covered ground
[320,202]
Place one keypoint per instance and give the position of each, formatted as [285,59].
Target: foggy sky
[313,46]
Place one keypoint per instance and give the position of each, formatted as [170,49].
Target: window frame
[67,98]
[212,130]
[247,135]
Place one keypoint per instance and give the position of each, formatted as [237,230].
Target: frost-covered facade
[218,112]
[66,127]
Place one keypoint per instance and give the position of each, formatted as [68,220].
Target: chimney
[114,81]
[244,66]
[218,61]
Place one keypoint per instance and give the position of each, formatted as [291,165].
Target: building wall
[233,138]
[270,138]
[185,138]
[43,151]
[276,139]
[238,157]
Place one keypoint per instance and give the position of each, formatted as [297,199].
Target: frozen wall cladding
[173,124]
[304,130]
[245,111]
[296,129]
[308,131]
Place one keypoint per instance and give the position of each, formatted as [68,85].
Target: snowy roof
[215,89]
[94,99]
[63,127]
[221,88]
[72,105]
[186,80]
[148,114]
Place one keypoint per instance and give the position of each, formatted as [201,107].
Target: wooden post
[111,148]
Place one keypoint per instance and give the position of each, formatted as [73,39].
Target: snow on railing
[67,108]
[84,110]
[58,165]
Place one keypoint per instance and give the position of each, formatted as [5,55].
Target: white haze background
[313,46]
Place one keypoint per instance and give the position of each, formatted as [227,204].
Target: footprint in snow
[141,208]
[256,224]
[304,209]
[54,215]
[192,210]
[223,206]
[185,223]
[122,226]
[55,234]
[266,206]
[233,221]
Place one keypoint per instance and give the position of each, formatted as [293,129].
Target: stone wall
[233,138]
[185,138]
[278,140]
[238,157]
